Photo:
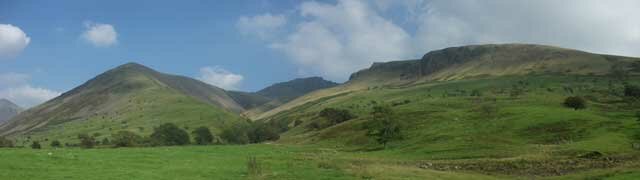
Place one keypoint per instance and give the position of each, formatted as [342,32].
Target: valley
[471,112]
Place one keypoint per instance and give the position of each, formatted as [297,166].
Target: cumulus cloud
[335,39]
[12,40]
[100,35]
[597,26]
[219,77]
[16,88]
[262,26]
[338,39]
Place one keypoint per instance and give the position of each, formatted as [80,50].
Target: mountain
[469,62]
[8,110]
[279,93]
[492,60]
[128,97]
[482,108]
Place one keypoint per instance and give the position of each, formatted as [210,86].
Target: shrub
[235,135]
[632,91]
[56,144]
[125,139]
[383,127]
[5,143]
[575,102]
[86,141]
[262,132]
[336,116]
[169,135]
[35,145]
[476,92]
[253,167]
[105,141]
[202,135]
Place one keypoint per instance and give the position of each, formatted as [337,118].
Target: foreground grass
[230,162]
[205,162]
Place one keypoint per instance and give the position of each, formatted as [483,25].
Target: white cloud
[100,35]
[16,88]
[12,40]
[263,26]
[219,77]
[336,39]
[597,26]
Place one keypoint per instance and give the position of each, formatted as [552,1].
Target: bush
[202,136]
[35,145]
[5,143]
[86,141]
[253,167]
[56,144]
[106,141]
[125,139]
[632,91]
[575,102]
[383,127]
[336,116]
[169,135]
[235,135]
[262,132]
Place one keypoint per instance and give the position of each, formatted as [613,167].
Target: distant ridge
[8,110]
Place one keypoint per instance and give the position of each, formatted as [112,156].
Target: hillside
[491,109]
[131,97]
[278,94]
[8,110]
[468,62]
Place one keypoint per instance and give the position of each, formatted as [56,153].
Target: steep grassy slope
[130,97]
[8,110]
[473,61]
[517,119]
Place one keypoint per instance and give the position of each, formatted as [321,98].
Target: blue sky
[49,47]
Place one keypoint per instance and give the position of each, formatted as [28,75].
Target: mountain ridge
[471,61]
[8,110]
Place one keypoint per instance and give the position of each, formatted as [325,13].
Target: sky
[50,47]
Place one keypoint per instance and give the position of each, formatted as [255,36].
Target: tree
[169,134]
[106,141]
[236,134]
[575,102]
[202,135]
[56,144]
[336,116]
[35,145]
[383,127]
[125,139]
[638,116]
[5,143]
[86,141]
[632,91]
[261,132]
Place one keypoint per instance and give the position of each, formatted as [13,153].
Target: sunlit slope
[474,61]
[130,97]
[512,116]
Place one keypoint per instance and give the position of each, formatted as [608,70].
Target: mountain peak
[6,102]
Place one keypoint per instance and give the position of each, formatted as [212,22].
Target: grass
[447,136]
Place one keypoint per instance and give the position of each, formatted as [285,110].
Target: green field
[230,162]
[510,127]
